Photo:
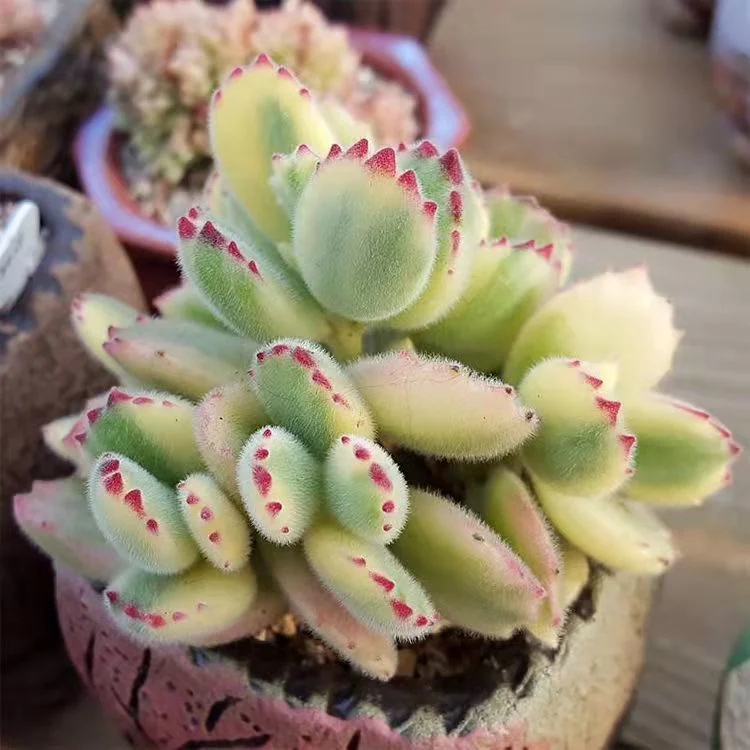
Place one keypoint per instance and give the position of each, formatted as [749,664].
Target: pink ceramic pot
[255,694]
[152,244]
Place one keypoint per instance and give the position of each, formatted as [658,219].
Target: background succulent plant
[337,347]
[173,53]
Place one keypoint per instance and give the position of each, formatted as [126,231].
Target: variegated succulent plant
[370,403]
[173,53]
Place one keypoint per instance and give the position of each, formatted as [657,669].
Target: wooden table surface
[596,108]
[704,600]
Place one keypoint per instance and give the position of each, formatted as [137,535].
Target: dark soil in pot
[279,695]
[44,374]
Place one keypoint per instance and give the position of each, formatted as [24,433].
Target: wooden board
[703,601]
[598,110]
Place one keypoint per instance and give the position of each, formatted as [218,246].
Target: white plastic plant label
[21,251]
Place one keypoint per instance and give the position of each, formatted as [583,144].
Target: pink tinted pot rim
[400,58]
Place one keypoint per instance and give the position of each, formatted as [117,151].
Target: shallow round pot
[44,374]
[398,58]
[185,698]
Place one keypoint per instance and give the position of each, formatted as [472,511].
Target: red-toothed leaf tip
[455,241]
[212,235]
[303,92]
[452,166]
[593,381]
[735,449]
[236,72]
[545,252]
[335,152]
[383,162]
[303,150]
[401,147]
[426,150]
[263,60]
[194,212]
[186,230]
[723,431]
[627,442]
[456,205]
[528,245]
[283,72]
[429,208]
[610,408]
[217,96]
[408,181]
[359,149]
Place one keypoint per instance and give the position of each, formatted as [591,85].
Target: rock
[44,374]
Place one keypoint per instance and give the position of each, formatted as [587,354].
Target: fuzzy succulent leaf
[54,434]
[614,317]
[364,240]
[620,534]
[222,423]
[290,174]
[438,407]
[139,516]
[523,220]
[346,129]
[218,527]
[684,455]
[574,575]
[55,516]
[582,446]
[187,608]
[259,111]
[281,484]
[267,608]
[507,506]
[74,441]
[180,357]
[511,284]
[252,293]
[152,429]
[184,303]
[93,315]
[370,582]
[230,213]
[370,652]
[475,579]
[304,390]
[460,226]
[365,490]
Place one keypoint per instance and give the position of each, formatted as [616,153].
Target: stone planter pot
[44,374]
[255,694]
[152,244]
[42,102]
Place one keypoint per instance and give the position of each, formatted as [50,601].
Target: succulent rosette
[371,403]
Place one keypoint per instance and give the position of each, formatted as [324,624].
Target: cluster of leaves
[340,306]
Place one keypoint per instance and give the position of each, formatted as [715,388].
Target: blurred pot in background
[51,77]
[43,375]
[730,49]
